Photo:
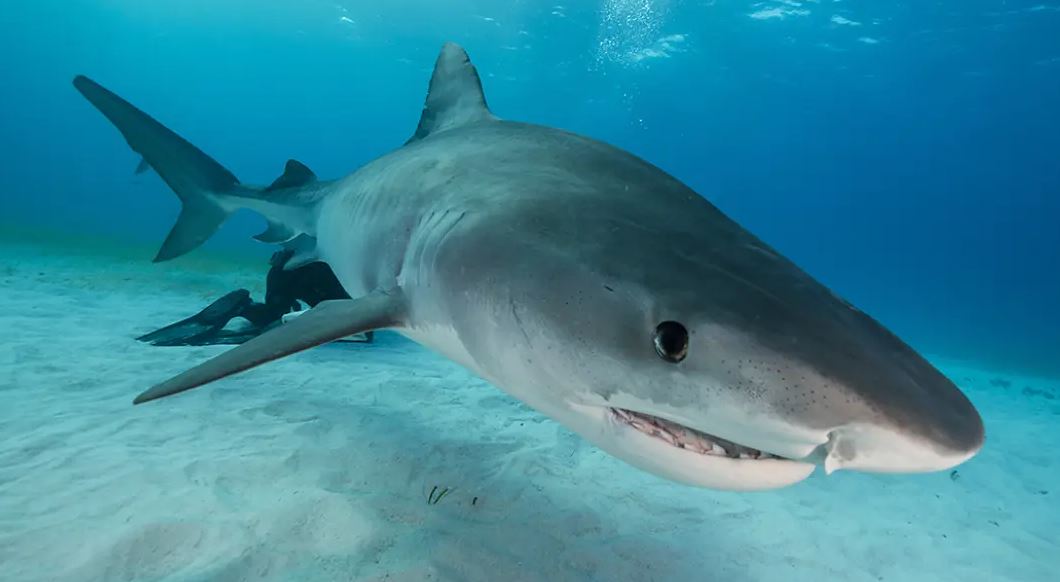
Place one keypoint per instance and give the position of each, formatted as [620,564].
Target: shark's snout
[857,400]
[937,429]
[828,370]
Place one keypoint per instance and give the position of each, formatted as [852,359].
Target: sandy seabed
[318,467]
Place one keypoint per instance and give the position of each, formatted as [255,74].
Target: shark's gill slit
[687,438]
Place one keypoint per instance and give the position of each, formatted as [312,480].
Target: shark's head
[743,392]
[670,337]
[607,294]
[729,382]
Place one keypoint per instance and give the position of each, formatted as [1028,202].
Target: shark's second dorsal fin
[455,96]
[295,173]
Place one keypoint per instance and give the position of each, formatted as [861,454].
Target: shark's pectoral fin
[328,321]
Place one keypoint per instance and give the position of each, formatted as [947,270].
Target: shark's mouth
[686,438]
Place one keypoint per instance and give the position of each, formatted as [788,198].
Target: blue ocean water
[905,153]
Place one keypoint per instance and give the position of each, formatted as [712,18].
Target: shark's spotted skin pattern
[587,283]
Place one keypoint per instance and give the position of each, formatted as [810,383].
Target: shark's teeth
[687,438]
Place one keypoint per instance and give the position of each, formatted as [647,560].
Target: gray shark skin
[587,283]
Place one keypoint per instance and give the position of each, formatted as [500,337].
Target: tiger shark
[585,282]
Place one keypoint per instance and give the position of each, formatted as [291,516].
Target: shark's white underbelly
[444,341]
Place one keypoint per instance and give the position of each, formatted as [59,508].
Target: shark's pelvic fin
[275,233]
[142,167]
[295,174]
[328,321]
[193,175]
[305,252]
[455,95]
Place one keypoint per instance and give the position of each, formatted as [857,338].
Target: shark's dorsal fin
[455,96]
[295,173]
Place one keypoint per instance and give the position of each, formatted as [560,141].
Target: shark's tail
[195,177]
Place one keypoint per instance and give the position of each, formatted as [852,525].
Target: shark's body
[587,283]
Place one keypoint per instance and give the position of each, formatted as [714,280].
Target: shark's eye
[671,341]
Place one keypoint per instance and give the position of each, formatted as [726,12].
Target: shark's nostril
[884,448]
[838,452]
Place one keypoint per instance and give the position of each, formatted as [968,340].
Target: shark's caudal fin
[194,176]
[455,95]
